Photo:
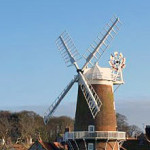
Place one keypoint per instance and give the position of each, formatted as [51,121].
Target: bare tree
[27,121]
[134,131]
[122,124]
[5,126]
[57,125]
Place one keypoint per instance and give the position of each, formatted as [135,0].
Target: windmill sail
[55,104]
[90,95]
[96,50]
[67,49]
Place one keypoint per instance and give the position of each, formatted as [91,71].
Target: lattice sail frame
[67,49]
[57,101]
[101,43]
[93,108]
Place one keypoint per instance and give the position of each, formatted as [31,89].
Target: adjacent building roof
[40,145]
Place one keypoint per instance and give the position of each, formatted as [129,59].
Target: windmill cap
[98,73]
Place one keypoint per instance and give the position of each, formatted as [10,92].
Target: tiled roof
[19,147]
[49,146]
[46,146]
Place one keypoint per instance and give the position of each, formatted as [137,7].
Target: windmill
[93,104]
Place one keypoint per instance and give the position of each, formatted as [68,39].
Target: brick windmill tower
[95,125]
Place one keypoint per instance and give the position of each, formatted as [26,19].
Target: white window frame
[91,127]
[90,146]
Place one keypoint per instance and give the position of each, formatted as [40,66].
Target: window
[90,146]
[91,128]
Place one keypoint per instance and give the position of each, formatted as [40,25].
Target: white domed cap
[98,73]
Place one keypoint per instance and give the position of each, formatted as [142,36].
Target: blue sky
[32,72]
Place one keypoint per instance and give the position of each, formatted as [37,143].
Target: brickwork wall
[105,119]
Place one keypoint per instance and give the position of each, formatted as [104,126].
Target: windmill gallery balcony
[108,135]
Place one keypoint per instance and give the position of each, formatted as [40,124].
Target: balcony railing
[108,135]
